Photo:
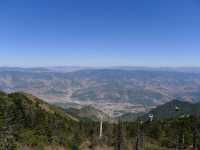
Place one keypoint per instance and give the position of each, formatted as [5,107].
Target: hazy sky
[100,32]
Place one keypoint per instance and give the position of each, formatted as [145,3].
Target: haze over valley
[115,91]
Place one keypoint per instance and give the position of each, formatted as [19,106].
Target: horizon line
[97,66]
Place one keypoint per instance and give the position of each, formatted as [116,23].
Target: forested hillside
[174,109]
[28,123]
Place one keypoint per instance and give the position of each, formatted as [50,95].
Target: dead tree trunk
[194,138]
[119,136]
[137,143]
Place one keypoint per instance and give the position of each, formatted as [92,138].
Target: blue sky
[100,32]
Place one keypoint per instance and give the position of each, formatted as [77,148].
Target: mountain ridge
[174,109]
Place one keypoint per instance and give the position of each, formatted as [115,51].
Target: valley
[115,91]
[112,109]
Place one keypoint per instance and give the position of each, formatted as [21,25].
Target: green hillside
[28,121]
[168,110]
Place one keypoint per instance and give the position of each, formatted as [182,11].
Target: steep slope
[27,121]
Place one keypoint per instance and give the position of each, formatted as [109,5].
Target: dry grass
[50,147]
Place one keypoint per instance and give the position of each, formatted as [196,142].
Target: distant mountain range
[135,85]
[64,69]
